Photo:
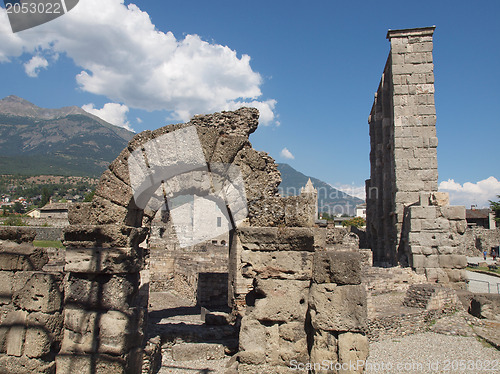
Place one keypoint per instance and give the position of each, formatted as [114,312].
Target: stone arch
[224,140]
[103,238]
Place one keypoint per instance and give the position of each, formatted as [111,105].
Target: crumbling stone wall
[295,302]
[402,227]
[304,305]
[31,305]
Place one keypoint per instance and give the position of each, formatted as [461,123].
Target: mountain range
[71,142]
[66,141]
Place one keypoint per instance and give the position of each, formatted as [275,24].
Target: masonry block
[453,212]
[338,308]
[282,300]
[341,268]
[21,257]
[103,260]
[38,292]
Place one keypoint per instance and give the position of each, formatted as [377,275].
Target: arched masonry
[296,301]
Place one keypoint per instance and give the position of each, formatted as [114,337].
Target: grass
[483,268]
[48,243]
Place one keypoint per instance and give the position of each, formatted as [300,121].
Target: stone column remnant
[403,157]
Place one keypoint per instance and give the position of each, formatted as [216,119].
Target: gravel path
[477,282]
[432,353]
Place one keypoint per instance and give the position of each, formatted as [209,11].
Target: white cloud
[33,66]
[139,120]
[472,193]
[114,113]
[285,153]
[125,58]
[352,190]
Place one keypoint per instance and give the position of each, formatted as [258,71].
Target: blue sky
[311,67]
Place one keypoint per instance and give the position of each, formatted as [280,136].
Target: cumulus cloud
[285,153]
[352,190]
[33,66]
[114,113]
[472,193]
[132,62]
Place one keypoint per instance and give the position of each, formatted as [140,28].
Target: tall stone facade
[402,138]
[403,162]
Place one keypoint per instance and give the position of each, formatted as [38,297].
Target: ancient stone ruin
[409,221]
[297,292]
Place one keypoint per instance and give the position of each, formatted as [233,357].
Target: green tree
[45,197]
[495,206]
[356,221]
[18,207]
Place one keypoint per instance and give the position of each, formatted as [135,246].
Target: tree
[45,197]
[495,206]
[356,221]
[18,207]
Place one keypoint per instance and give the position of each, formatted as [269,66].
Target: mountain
[330,199]
[65,141]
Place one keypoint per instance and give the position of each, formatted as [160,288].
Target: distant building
[361,211]
[54,210]
[34,213]
[480,218]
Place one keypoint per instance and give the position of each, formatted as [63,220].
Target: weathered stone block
[274,238]
[278,264]
[15,322]
[440,198]
[18,365]
[90,364]
[337,267]
[252,335]
[452,261]
[423,212]
[37,342]
[324,348]
[284,300]
[353,350]
[102,211]
[5,287]
[103,260]
[38,292]
[17,234]
[453,212]
[102,291]
[21,257]
[104,236]
[338,308]
[110,332]
[112,188]
[438,224]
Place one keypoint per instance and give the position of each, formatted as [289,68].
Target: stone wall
[31,305]
[478,239]
[432,241]
[408,221]
[403,139]
[303,304]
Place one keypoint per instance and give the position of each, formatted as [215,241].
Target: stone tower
[312,192]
